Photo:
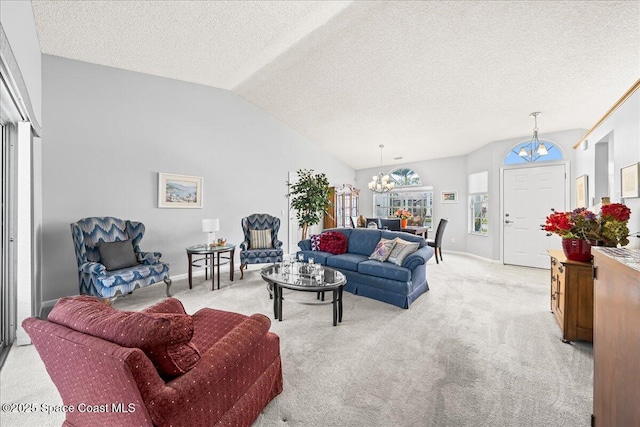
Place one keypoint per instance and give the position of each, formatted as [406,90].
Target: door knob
[507,221]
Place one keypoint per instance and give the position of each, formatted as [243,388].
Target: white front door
[529,194]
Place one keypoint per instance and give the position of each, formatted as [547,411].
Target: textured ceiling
[427,79]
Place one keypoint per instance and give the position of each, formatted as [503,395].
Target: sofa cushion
[346,261]
[261,239]
[401,250]
[117,255]
[364,240]
[163,337]
[386,270]
[333,242]
[383,250]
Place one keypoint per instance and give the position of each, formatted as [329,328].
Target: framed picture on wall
[582,191]
[449,197]
[629,181]
[179,191]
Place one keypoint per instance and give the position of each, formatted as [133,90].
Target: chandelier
[380,183]
[534,149]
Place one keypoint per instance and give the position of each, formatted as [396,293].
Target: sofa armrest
[149,258]
[167,305]
[419,257]
[93,268]
[216,362]
[244,245]
[305,245]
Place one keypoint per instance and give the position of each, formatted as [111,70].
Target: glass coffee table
[299,276]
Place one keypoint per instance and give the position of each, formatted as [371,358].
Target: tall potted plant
[309,197]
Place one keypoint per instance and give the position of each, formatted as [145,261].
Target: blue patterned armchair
[89,233]
[249,254]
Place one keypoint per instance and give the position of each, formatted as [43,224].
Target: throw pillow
[261,239]
[383,250]
[401,250]
[315,242]
[163,337]
[117,255]
[333,242]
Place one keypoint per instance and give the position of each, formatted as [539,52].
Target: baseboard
[470,255]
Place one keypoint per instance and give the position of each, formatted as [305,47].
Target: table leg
[340,304]
[218,256]
[190,271]
[206,266]
[213,273]
[335,307]
[280,304]
[275,301]
[231,266]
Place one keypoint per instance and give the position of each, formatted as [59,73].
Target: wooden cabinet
[345,203]
[572,297]
[616,337]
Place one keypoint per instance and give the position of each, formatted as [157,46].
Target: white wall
[452,174]
[622,128]
[109,133]
[491,158]
[444,175]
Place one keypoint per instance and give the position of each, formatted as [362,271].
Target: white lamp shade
[210,225]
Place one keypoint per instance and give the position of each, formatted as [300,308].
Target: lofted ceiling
[427,79]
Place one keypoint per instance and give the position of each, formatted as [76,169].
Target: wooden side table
[572,297]
[207,254]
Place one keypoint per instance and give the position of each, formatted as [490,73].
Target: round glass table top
[209,249]
[303,276]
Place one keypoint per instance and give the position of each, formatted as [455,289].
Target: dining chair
[436,243]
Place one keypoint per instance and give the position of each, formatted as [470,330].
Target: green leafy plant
[309,197]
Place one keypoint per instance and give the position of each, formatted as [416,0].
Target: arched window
[409,195]
[404,177]
[529,152]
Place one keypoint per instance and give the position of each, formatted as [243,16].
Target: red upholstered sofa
[159,366]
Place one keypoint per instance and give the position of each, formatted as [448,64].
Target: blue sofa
[383,281]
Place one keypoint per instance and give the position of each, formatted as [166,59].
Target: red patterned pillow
[164,337]
[333,242]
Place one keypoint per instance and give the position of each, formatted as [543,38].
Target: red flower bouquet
[609,228]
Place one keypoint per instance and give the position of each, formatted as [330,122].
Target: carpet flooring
[481,348]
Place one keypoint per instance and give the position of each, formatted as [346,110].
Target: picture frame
[179,191]
[630,181]
[449,197]
[582,191]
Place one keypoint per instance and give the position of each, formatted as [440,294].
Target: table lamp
[210,226]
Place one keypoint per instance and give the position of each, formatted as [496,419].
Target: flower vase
[403,222]
[577,250]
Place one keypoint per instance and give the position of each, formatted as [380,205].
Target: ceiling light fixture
[380,183]
[534,149]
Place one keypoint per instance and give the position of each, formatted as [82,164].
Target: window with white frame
[479,203]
